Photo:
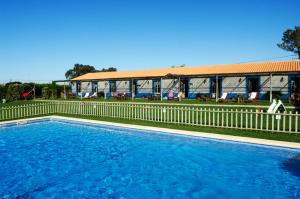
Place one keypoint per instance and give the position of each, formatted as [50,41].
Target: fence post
[278,122]
[296,121]
[261,119]
[246,119]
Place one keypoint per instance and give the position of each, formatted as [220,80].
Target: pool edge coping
[276,143]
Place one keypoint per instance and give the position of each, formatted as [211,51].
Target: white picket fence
[247,119]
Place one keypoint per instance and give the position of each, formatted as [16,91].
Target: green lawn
[184,101]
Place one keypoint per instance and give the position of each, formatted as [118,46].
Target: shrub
[14,92]
[45,92]
[3,90]
[275,95]
[100,94]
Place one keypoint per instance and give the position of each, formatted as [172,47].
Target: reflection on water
[292,165]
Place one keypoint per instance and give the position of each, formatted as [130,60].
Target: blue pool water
[59,159]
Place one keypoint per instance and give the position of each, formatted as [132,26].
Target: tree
[110,69]
[14,92]
[291,41]
[3,90]
[80,69]
[182,65]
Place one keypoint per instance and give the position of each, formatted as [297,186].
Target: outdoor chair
[154,97]
[239,98]
[171,95]
[94,95]
[115,95]
[150,97]
[123,96]
[223,98]
[180,96]
[252,98]
[295,99]
[204,97]
[71,96]
[120,96]
[87,95]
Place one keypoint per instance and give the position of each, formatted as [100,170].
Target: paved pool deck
[266,142]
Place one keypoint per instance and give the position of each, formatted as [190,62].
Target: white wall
[199,85]
[103,86]
[279,83]
[86,87]
[73,87]
[170,84]
[123,86]
[144,86]
[235,85]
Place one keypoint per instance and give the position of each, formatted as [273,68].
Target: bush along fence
[247,119]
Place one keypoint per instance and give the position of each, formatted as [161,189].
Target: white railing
[27,110]
[242,118]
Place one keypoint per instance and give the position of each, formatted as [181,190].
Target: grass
[234,132]
[190,101]
[184,101]
[212,102]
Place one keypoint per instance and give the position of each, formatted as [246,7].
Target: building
[281,78]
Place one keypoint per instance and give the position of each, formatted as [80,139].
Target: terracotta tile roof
[229,69]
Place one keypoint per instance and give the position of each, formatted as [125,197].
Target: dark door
[253,85]
[213,87]
[184,87]
[79,87]
[295,86]
[112,86]
[94,87]
[135,87]
[156,87]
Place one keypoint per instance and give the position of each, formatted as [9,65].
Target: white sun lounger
[87,95]
[223,97]
[94,95]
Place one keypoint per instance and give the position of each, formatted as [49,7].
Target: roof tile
[229,69]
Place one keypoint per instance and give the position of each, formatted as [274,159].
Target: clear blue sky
[41,39]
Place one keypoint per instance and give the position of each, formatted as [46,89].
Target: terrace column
[33,91]
[132,89]
[271,95]
[179,89]
[161,89]
[65,94]
[76,87]
[217,88]
[105,84]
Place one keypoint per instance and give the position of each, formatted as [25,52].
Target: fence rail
[247,119]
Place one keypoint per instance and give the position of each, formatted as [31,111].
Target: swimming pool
[64,159]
